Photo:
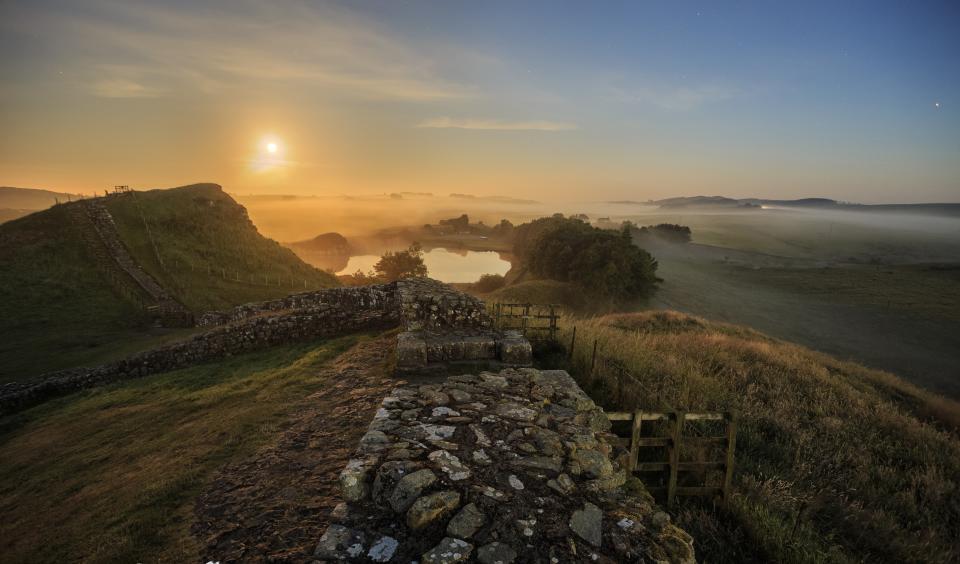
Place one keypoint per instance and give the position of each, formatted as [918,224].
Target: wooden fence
[536,322]
[662,453]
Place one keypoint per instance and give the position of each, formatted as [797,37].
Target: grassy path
[273,506]
[111,474]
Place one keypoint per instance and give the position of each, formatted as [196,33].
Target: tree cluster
[668,231]
[605,263]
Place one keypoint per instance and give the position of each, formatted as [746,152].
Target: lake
[444,265]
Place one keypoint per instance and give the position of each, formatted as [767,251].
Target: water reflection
[444,265]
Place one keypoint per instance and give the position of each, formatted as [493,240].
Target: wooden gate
[536,322]
[673,443]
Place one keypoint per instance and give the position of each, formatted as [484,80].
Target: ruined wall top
[431,305]
[379,297]
[514,466]
[424,304]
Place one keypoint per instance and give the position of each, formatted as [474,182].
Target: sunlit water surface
[444,265]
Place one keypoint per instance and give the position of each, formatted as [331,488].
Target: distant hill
[697,201]
[327,251]
[57,310]
[723,202]
[31,198]
[325,243]
[18,202]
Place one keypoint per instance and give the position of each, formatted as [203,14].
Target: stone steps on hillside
[98,231]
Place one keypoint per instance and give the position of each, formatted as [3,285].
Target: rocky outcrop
[515,466]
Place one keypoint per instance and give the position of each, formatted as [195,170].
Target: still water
[444,265]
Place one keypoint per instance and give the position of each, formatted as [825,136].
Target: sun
[271,147]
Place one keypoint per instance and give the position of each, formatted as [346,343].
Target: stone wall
[459,334]
[322,320]
[380,297]
[495,468]
[434,306]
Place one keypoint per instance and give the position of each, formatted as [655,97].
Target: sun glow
[269,155]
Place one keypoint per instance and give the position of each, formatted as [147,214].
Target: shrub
[489,283]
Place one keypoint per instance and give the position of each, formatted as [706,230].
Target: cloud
[494,124]
[123,88]
[123,45]
[674,98]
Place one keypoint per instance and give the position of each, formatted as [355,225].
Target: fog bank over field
[865,234]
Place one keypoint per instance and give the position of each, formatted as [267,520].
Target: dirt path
[274,506]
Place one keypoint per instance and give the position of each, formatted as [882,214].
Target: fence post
[635,441]
[553,324]
[731,447]
[674,452]
[593,361]
[573,342]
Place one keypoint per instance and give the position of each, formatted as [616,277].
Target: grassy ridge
[114,471]
[835,462]
[57,311]
[52,300]
[206,241]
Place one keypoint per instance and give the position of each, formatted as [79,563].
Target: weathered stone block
[514,349]
[411,350]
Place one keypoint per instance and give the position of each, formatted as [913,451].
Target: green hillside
[58,311]
[52,301]
[213,256]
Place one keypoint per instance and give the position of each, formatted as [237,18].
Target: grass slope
[109,475]
[56,311]
[835,462]
[206,241]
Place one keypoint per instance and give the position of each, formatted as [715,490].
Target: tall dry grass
[834,462]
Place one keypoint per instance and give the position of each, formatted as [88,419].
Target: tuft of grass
[110,474]
[835,462]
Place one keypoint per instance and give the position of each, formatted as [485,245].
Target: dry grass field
[835,462]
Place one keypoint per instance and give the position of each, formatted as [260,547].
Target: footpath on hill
[274,506]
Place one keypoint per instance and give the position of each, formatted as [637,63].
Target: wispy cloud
[123,88]
[127,46]
[495,124]
[674,97]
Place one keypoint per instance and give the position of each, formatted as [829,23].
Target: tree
[401,264]
[605,263]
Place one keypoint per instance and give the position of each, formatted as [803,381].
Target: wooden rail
[536,322]
[673,443]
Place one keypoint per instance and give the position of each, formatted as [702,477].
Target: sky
[573,101]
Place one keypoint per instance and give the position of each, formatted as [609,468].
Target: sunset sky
[570,100]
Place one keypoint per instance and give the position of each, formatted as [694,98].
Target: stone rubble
[515,466]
